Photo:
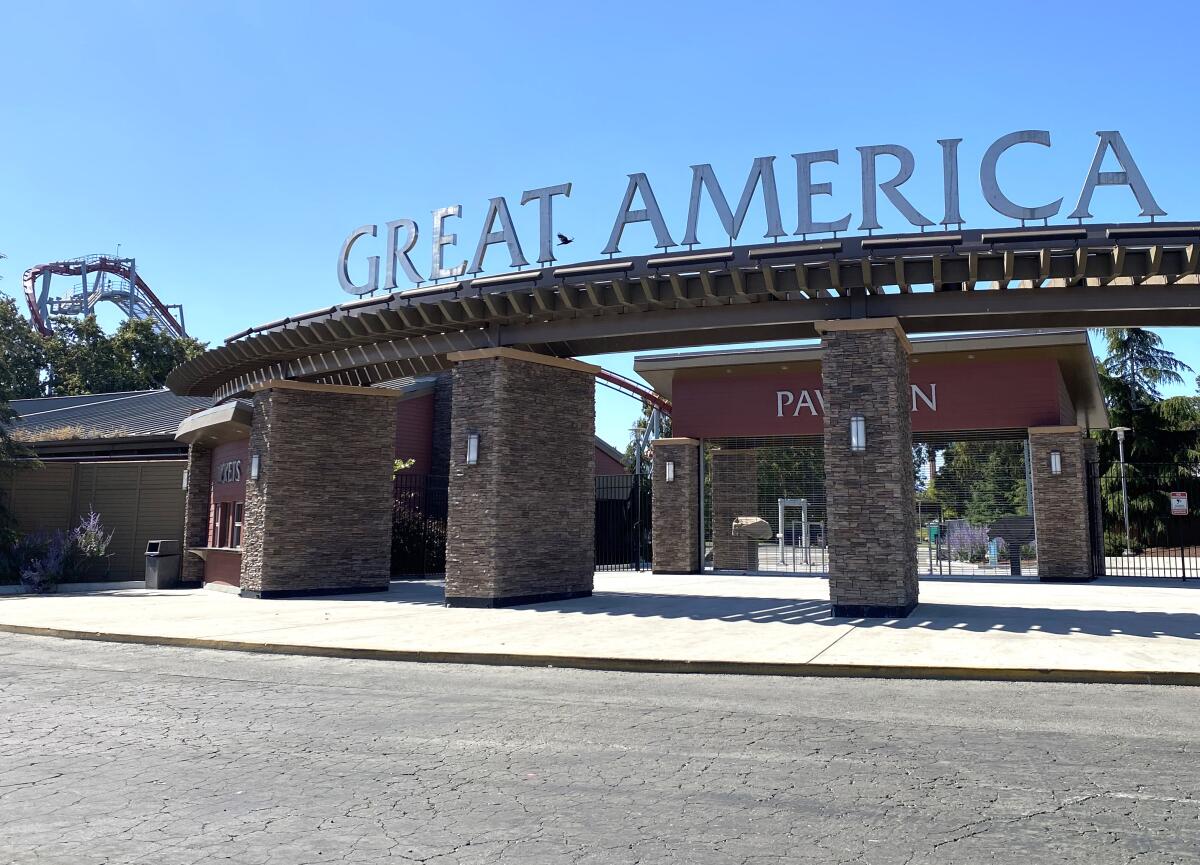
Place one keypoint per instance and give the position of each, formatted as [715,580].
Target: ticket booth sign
[1179,505]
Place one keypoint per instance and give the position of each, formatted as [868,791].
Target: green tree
[24,354]
[83,358]
[1162,447]
[1136,359]
[11,453]
[150,353]
[980,481]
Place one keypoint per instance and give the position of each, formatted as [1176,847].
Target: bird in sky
[563,240]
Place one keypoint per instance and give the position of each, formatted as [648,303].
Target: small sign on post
[1179,504]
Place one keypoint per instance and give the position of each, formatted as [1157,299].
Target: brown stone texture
[676,507]
[319,516]
[521,523]
[870,494]
[196,511]
[443,402]
[734,494]
[1060,509]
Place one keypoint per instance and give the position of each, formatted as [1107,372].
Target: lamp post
[1120,431]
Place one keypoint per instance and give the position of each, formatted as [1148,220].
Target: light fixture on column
[1055,462]
[472,448]
[858,433]
[670,472]
[254,467]
[185,479]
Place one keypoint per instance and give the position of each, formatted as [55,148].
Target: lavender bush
[52,558]
[968,543]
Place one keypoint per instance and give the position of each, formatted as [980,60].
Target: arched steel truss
[997,279]
[130,294]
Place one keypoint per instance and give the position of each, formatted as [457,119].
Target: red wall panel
[968,395]
[414,432]
[606,465]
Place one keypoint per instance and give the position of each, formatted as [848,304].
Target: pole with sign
[1179,508]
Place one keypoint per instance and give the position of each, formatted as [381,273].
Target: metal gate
[786,489]
[1141,537]
[419,525]
[974,508]
[623,527]
[974,505]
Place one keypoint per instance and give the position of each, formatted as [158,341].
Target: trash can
[162,564]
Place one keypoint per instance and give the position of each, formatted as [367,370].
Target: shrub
[44,560]
[418,542]
[968,543]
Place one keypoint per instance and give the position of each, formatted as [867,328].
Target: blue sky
[231,147]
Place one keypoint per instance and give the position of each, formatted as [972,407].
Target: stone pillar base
[1060,507]
[515,600]
[873,611]
[522,521]
[195,510]
[318,517]
[676,507]
[269,594]
[870,492]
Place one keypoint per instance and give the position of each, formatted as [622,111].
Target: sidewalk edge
[640,665]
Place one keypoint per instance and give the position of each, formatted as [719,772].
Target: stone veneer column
[870,493]
[676,507]
[734,494]
[196,511]
[318,519]
[522,521]
[1060,509]
[443,404]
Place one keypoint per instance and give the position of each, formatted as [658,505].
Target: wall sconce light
[472,449]
[670,472]
[1055,462]
[185,479]
[858,433]
[254,467]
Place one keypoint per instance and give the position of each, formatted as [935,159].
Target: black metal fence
[623,529]
[1141,536]
[419,525]
[974,505]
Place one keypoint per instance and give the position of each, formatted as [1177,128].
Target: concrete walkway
[1117,631]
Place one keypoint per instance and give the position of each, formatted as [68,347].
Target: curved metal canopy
[991,279]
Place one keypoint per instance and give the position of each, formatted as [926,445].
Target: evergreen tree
[24,354]
[82,358]
[1162,447]
[11,452]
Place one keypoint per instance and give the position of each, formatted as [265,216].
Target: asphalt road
[124,754]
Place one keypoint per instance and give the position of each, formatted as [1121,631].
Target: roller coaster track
[635,390]
[132,295]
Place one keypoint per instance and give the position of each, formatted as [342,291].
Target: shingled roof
[126,415]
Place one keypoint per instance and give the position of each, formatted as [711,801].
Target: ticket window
[227,525]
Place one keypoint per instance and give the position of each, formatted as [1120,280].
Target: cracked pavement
[163,756]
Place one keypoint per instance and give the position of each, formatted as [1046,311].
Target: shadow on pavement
[800,611]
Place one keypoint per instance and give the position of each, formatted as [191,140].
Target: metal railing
[623,527]
[419,525]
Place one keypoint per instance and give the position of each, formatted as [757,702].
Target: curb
[641,665]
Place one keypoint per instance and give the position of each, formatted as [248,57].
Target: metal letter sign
[400,235]
[1179,505]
